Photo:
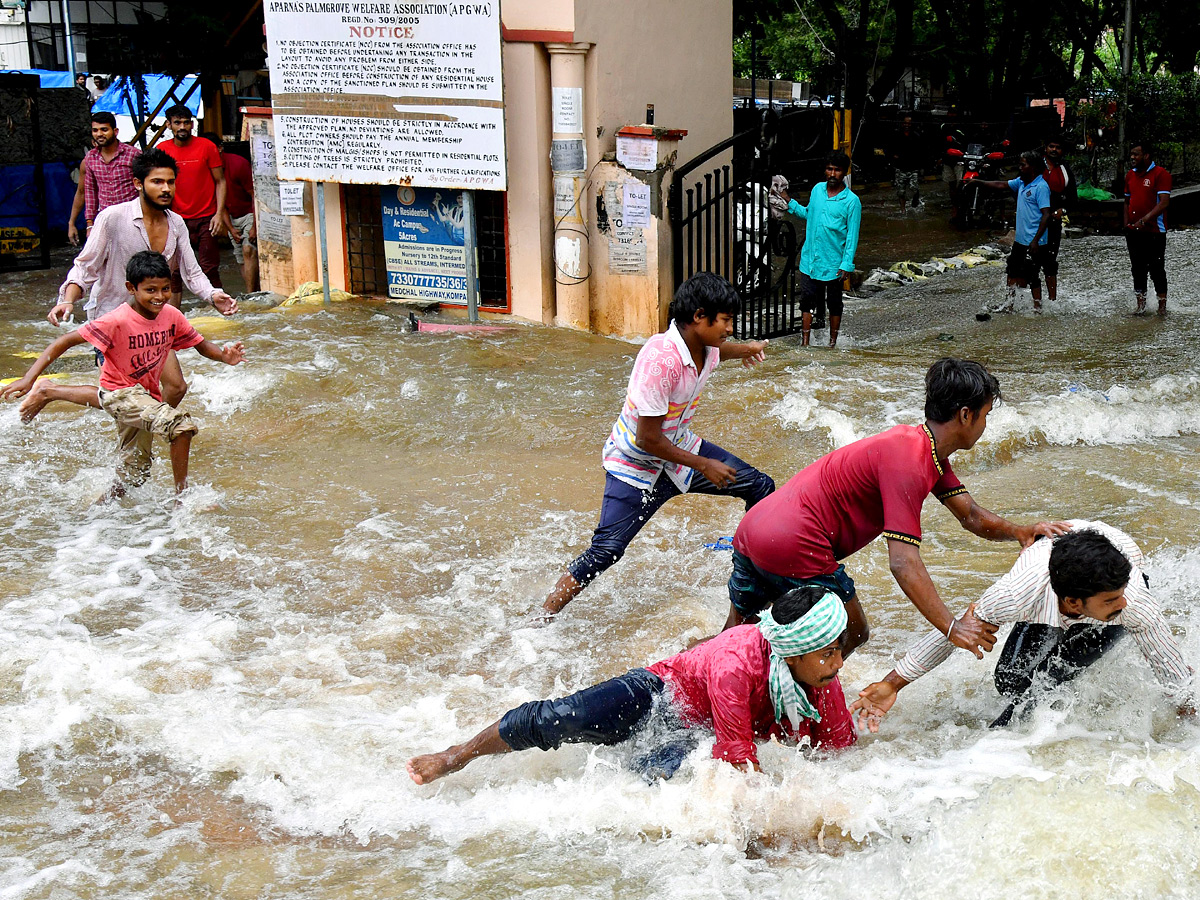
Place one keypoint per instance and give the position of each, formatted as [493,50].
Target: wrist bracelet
[950,630]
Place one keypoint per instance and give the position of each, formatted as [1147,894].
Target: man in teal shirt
[830,241]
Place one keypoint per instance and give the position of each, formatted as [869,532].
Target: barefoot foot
[432,766]
[35,401]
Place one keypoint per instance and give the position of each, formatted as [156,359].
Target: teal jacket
[831,238]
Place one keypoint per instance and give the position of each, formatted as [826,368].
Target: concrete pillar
[568,162]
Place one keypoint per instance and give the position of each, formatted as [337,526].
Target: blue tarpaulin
[48,78]
[121,96]
[18,199]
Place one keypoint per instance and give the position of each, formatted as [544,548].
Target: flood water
[218,701]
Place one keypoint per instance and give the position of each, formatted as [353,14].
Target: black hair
[1147,147]
[152,158]
[105,118]
[178,111]
[1085,563]
[146,264]
[951,384]
[796,603]
[704,293]
[839,159]
[1058,137]
[213,138]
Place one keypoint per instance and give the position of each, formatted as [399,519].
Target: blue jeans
[626,509]
[751,589]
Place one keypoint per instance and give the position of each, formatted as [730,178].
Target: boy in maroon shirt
[1147,196]
[136,339]
[843,501]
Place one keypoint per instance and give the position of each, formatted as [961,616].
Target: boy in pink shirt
[777,678]
[136,339]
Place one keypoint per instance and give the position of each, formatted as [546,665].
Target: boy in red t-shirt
[136,339]
[1147,196]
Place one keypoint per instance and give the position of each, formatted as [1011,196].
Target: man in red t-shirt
[199,194]
[843,501]
[1147,196]
[239,211]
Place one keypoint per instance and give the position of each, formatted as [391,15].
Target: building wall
[533,16]
[14,49]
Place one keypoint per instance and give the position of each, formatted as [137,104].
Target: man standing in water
[908,158]
[1147,196]
[104,178]
[1063,194]
[146,223]
[1071,600]
[833,215]
[652,454]
[874,486]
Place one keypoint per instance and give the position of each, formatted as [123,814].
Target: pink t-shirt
[723,682]
[135,348]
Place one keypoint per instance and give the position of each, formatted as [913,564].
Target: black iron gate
[721,222]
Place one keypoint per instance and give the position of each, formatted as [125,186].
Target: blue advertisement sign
[423,244]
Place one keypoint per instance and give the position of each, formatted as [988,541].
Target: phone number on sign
[439,282]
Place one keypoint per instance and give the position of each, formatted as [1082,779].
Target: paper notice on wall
[636,204]
[568,109]
[638,153]
[564,199]
[626,243]
[291,198]
[262,151]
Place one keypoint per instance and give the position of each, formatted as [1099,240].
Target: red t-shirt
[195,189]
[1142,190]
[723,683]
[135,348]
[239,185]
[845,500]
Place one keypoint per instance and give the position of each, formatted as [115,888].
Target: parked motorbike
[986,207]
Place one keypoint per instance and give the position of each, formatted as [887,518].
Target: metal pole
[319,187]
[66,14]
[469,253]
[1126,68]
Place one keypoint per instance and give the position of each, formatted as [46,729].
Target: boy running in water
[136,339]
[652,454]
[778,677]
[844,500]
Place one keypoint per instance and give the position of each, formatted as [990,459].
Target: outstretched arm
[910,573]
[230,354]
[750,352]
[21,386]
[986,524]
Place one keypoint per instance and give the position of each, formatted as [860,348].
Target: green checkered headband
[817,628]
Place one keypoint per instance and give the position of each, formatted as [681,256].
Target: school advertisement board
[423,244]
[388,92]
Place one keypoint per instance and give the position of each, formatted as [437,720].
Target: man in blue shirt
[1029,252]
[830,241]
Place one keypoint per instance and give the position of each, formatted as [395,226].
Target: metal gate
[721,223]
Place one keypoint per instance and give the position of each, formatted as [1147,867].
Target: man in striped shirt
[652,454]
[1071,599]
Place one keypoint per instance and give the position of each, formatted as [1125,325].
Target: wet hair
[951,384]
[796,603]
[105,118]
[1147,147]
[178,111]
[839,159]
[704,293]
[1033,157]
[153,158]
[1085,563]
[146,264]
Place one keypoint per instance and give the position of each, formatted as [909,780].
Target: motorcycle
[986,208]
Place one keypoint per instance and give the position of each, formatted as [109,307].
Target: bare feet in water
[432,766]
[35,401]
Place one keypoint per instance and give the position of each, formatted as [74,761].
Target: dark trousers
[816,296]
[1037,657]
[208,254]
[625,509]
[1148,256]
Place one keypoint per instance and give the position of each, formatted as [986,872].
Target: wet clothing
[1064,194]
[625,509]
[831,235]
[816,296]
[720,684]
[239,185]
[139,417]
[1148,257]
[906,183]
[135,348]
[195,187]
[242,241]
[843,501]
[107,182]
[751,590]
[1032,198]
[120,232]
[1143,190]
[1024,594]
[1026,266]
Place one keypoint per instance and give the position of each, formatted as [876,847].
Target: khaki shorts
[951,174]
[241,225]
[139,417]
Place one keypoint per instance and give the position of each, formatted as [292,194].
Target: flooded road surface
[219,701]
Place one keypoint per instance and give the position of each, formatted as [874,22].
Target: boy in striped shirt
[652,454]
[1071,599]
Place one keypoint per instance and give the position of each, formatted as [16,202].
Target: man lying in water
[778,677]
[1071,600]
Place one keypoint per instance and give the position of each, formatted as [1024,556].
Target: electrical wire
[581,231]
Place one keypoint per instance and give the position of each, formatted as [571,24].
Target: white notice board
[388,92]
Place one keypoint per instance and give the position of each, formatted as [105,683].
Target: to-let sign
[404,93]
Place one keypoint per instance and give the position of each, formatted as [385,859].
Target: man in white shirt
[1072,599]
